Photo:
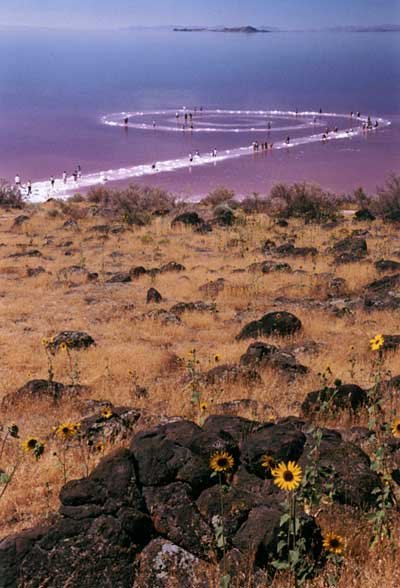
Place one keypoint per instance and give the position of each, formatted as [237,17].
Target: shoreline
[42,190]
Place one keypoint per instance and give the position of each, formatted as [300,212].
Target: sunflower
[334,543]
[64,346]
[396,428]
[203,406]
[267,462]
[67,430]
[29,445]
[217,358]
[287,476]
[106,413]
[376,342]
[222,461]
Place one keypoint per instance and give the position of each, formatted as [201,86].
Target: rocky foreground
[145,515]
[142,338]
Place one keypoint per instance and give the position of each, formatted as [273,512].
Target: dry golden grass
[42,306]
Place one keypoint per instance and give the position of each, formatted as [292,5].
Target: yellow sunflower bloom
[67,430]
[29,445]
[376,342]
[222,461]
[287,476]
[217,358]
[267,462]
[396,428]
[203,406]
[334,543]
[64,347]
[106,413]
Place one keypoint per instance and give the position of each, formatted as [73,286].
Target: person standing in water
[126,121]
[75,175]
[17,180]
[64,177]
[287,140]
[190,157]
[29,187]
[79,170]
[52,182]
[214,153]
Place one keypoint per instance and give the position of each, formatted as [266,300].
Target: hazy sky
[284,13]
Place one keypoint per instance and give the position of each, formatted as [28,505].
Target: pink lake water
[56,89]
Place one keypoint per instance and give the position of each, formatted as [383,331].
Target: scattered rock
[163,564]
[290,249]
[36,390]
[350,250]
[172,266]
[120,278]
[73,339]
[213,288]
[20,220]
[153,295]
[35,271]
[188,218]
[364,214]
[198,306]
[267,267]
[383,294]
[166,317]
[387,265]
[274,323]
[343,397]
[27,253]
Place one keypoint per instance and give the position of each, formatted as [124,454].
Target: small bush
[220,195]
[306,201]
[254,204]
[10,196]
[387,202]
[135,205]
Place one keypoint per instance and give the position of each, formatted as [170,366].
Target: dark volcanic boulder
[188,218]
[73,339]
[353,479]
[176,517]
[159,499]
[274,323]
[343,397]
[290,249]
[383,294]
[120,278]
[262,354]
[163,564]
[387,265]
[364,214]
[43,390]
[350,249]
[257,354]
[153,295]
[102,526]
[198,306]
[283,442]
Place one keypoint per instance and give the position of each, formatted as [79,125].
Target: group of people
[77,173]
[257,146]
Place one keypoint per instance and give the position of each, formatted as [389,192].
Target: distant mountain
[246,29]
